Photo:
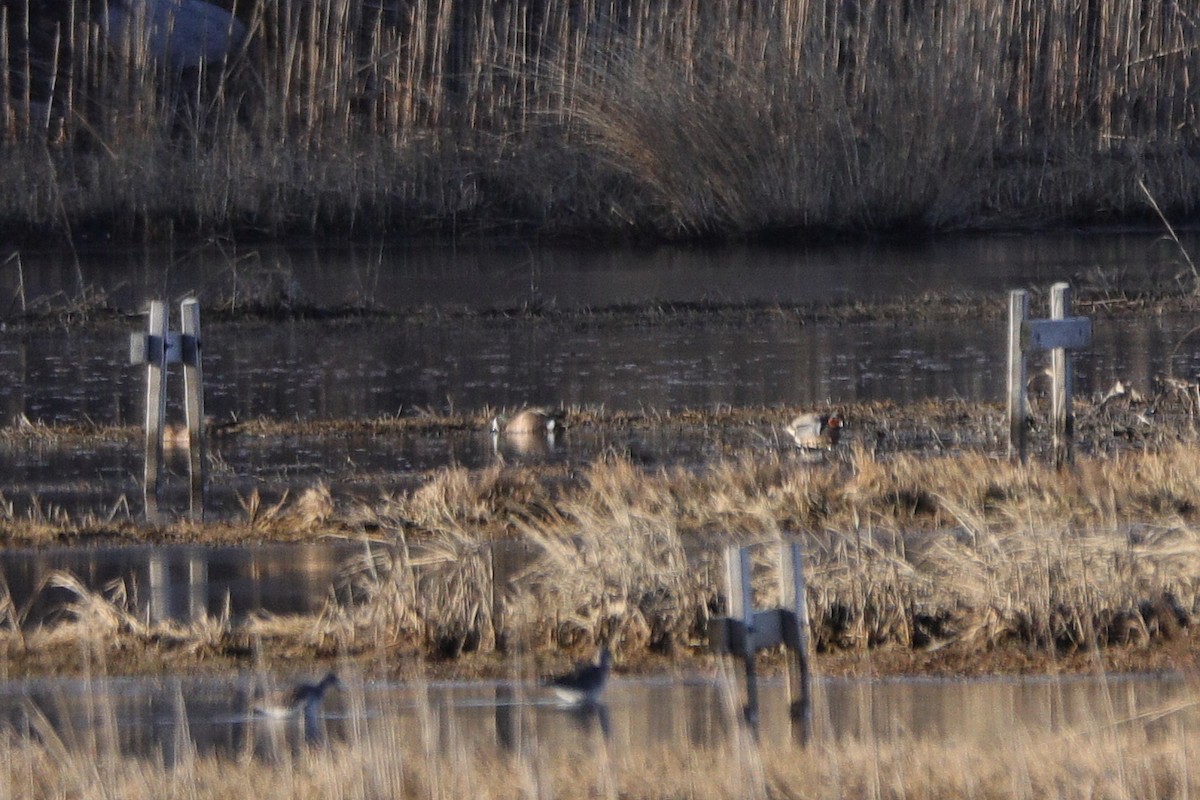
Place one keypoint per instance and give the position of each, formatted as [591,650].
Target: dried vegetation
[921,540]
[1094,757]
[707,117]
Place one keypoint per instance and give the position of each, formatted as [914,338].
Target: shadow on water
[517,274]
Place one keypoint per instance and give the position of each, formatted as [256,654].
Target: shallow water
[146,717]
[310,370]
[182,583]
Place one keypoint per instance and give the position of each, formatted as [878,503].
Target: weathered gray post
[157,348]
[794,617]
[156,402]
[1058,334]
[746,631]
[741,612]
[193,386]
[1061,382]
[1018,312]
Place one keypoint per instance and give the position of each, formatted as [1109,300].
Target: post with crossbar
[746,631]
[1018,312]
[193,387]
[1058,334]
[155,349]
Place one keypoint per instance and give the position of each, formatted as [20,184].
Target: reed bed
[930,557]
[642,117]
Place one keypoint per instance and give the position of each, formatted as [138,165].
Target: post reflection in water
[181,716]
[183,583]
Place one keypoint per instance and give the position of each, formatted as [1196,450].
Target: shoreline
[1128,300]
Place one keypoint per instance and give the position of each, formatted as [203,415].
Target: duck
[529,421]
[816,431]
[304,699]
[176,435]
[583,685]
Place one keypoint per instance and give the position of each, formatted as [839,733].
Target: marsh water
[175,716]
[305,369]
[298,369]
[182,583]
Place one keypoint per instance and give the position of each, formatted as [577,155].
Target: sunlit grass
[906,552]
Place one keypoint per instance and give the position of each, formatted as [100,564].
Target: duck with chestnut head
[816,430]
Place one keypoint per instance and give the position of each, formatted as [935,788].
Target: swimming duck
[584,684]
[816,431]
[529,421]
[304,699]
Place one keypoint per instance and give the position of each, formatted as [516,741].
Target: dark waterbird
[584,684]
[304,699]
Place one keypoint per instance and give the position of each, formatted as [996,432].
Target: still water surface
[310,370]
[182,583]
[304,370]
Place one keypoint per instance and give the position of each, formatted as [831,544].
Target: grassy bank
[927,551]
[642,118]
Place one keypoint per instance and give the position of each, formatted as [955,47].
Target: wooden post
[745,631]
[1018,312]
[741,613]
[1060,387]
[793,599]
[193,387]
[156,403]
[157,348]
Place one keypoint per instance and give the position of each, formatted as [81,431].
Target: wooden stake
[1018,312]
[792,595]
[741,613]
[1061,381]
[193,388]
[156,403]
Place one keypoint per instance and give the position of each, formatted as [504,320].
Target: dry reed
[715,117]
[1096,758]
[905,553]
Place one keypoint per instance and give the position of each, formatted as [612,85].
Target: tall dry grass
[714,117]
[1098,757]
[905,554]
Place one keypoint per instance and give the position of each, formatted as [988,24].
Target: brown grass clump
[99,619]
[928,551]
[435,594]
